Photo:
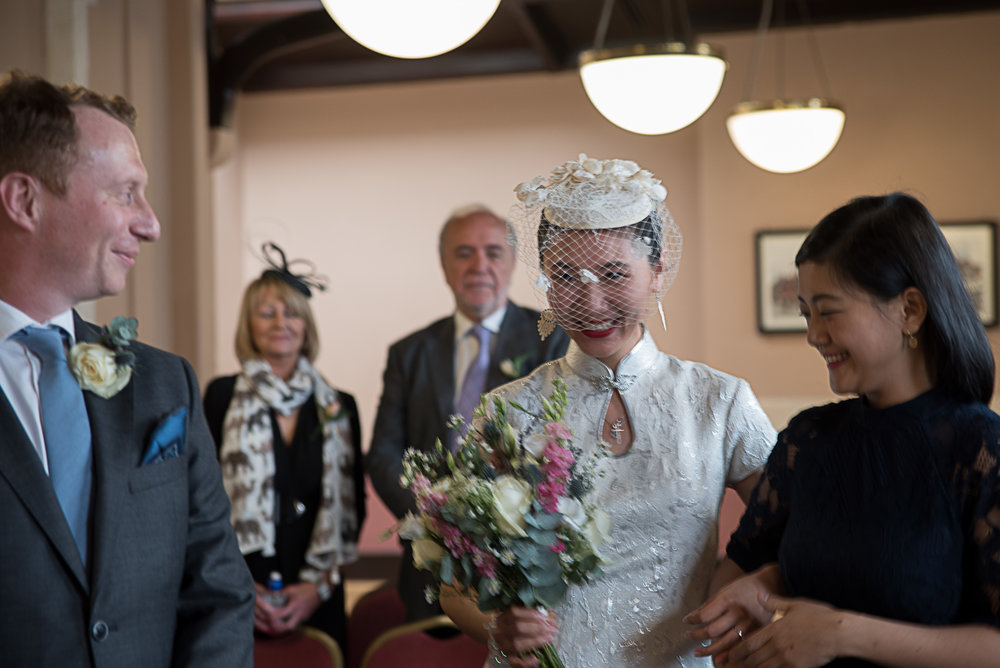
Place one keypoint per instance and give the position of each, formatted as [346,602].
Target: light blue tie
[66,429]
[474,382]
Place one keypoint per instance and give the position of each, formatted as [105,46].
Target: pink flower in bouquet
[558,430]
[549,493]
[486,563]
[558,461]
[456,542]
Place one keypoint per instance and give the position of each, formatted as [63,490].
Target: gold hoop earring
[911,340]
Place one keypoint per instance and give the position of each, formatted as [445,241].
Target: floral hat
[585,212]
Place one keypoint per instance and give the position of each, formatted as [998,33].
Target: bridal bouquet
[506,516]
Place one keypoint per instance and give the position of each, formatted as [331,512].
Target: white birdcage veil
[598,241]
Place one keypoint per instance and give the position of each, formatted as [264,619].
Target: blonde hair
[290,297]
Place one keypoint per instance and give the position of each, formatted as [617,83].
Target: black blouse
[892,512]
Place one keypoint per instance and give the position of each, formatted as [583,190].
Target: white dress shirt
[19,371]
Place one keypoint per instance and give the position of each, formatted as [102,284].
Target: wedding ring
[739,633]
[778,614]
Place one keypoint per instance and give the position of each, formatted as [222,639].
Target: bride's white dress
[695,430]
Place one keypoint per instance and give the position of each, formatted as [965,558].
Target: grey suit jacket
[418,398]
[165,583]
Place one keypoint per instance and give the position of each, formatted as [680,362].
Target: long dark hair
[885,244]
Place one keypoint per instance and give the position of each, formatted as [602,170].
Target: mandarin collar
[639,361]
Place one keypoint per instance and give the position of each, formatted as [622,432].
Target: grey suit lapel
[23,471]
[512,340]
[113,443]
[441,355]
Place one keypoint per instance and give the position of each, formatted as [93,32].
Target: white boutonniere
[514,368]
[105,368]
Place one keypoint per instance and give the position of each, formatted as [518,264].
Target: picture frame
[777,281]
[973,243]
[974,246]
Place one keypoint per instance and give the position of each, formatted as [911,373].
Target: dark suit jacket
[418,394]
[165,583]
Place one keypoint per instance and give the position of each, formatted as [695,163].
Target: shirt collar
[491,322]
[13,320]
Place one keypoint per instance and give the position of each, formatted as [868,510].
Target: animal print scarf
[248,462]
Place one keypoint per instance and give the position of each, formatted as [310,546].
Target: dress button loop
[99,631]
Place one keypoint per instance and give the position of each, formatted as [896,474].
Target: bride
[678,432]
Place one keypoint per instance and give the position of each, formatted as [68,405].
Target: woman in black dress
[290,450]
[873,537]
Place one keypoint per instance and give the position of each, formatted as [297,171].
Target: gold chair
[408,645]
[305,647]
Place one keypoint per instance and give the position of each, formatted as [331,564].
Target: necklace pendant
[617,429]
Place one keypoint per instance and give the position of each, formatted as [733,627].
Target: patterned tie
[66,429]
[475,379]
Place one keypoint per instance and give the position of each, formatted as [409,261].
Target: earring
[546,323]
[659,307]
[911,340]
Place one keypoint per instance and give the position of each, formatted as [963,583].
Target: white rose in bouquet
[411,528]
[511,500]
[426,553]
[535,444]
[598,529]
[573,512]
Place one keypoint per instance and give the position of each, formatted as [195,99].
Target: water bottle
[273,594]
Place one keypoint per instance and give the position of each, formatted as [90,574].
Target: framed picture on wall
[974,246]
[777,290]
[973,243]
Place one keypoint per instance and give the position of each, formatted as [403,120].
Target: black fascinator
[300,274]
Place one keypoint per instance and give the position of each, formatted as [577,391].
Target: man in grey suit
[138,565]
[425,370]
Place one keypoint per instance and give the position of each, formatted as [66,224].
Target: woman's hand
[303,599]
[734,612]
[804,633]
[517,631]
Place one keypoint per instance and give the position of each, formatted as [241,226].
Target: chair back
[408,645]
[305,647]
[372,614]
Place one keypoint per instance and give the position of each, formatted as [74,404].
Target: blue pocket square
[168,438]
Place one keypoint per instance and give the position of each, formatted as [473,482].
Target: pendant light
[411,28]
[651,88]
[784,135]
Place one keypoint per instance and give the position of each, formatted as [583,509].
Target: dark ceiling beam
[355,72]
[542,33]
[228,70]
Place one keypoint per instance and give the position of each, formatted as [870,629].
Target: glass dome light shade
[652,89]
[411,28]
[786,136]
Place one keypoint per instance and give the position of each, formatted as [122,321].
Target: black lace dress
[893,512]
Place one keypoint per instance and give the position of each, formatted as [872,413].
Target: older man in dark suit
[115,544]
[442,369]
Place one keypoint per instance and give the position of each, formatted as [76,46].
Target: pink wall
[360,179]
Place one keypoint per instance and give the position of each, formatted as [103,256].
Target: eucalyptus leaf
[551,595]
[543,537]
[526,593]
[447,569]
[544,577]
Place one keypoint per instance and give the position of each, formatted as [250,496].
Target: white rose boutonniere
[105,368]
[514,368]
